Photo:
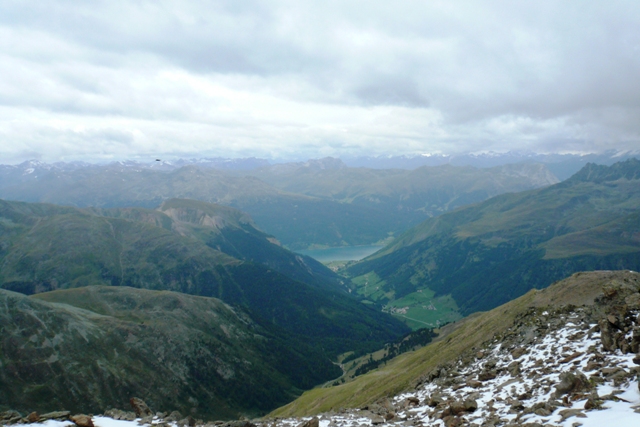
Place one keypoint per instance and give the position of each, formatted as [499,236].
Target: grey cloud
[498,73]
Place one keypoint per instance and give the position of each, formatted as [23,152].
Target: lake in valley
[344,253]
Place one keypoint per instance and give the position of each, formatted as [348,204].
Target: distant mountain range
[561,165]
[316,203]
[484,255]
[425,191]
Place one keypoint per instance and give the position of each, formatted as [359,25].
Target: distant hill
[481,256]
[47,247]
[317,203]
[90,349]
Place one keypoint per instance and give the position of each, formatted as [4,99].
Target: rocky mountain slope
[569,353]
[46,247]
[487,254]
[88,349]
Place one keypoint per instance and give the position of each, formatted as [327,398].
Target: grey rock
[517,352]
[568,413]
[10,417]
[118,414]
[470,405]
[313,422]
[607,335]
[377,420]
[56,415]
[435,399]
[571,383]
[174,416]
[487,375]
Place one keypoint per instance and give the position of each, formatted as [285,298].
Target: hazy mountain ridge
[429,190]
[324,203]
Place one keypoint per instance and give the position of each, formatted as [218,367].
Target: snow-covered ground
[510,397]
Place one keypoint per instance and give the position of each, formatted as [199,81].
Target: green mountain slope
[90,349]
[460,341]
[45,247]
[232,232]
[487,254]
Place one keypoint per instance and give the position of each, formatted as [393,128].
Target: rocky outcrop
[554,364]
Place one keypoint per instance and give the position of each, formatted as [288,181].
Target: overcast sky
[100,80]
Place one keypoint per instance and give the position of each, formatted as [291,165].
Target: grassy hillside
[487,254]
[90,349]
[456,340]
[44,247]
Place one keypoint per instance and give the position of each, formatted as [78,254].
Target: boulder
[313,422]
[607,335]
[568,413]
[10,417]
[487,375]
[140,407]
[413,401]
[435,400]
[470,405]
[174,416]
[473,383]
[514,369]
[377,420]
[456,407]
[571,383]
[452,421]
[517,352]
[56,415]
[82,420]
[633,301]
[118,414]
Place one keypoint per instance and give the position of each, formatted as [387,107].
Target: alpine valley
[141,287]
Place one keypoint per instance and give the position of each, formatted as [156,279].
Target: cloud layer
[121,79]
